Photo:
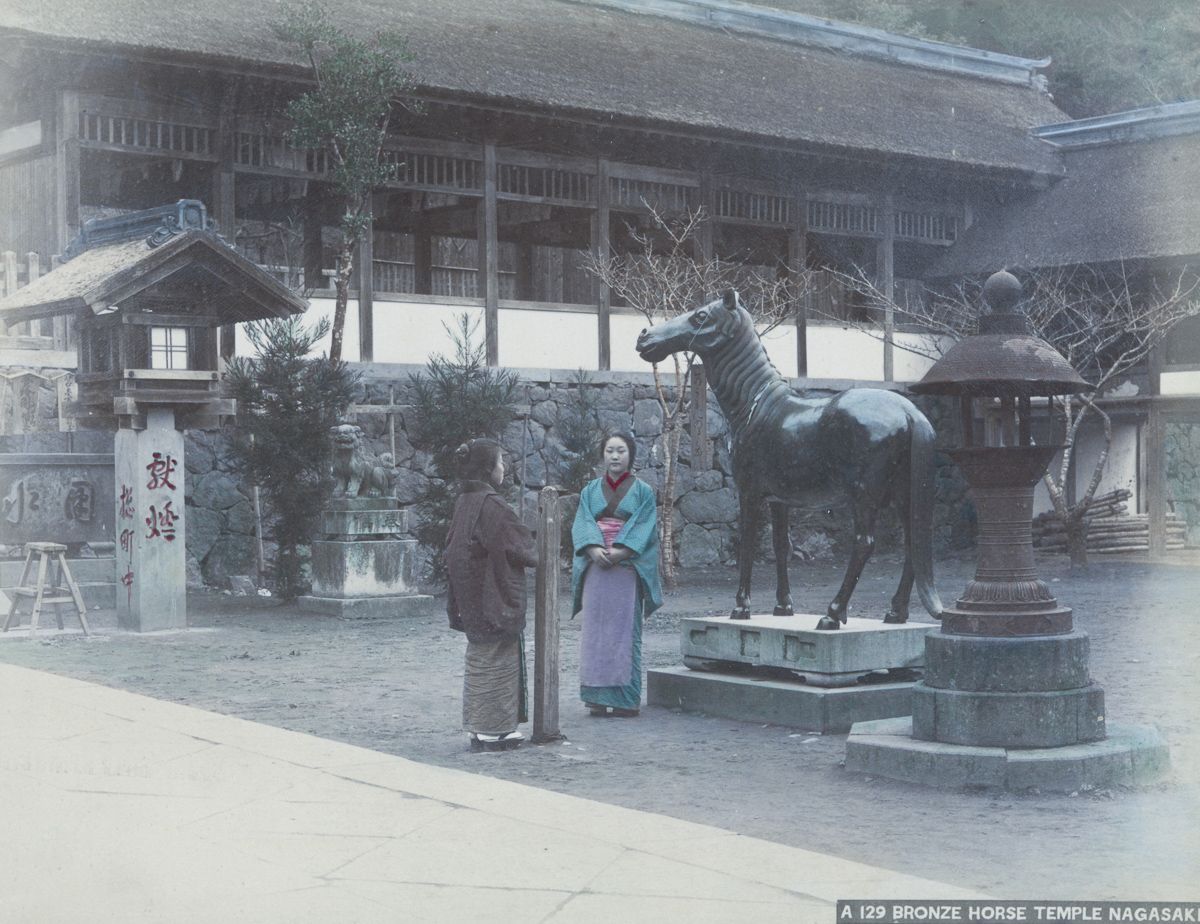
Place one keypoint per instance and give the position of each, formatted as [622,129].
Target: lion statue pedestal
[364,566]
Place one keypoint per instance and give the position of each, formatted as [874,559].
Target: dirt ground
[396,687]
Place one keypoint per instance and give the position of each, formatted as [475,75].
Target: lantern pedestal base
[1131,755]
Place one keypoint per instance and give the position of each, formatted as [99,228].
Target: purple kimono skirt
[610,654]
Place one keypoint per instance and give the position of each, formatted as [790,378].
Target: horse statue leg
[751,509]
[782,543]
[864,545]
[898,611]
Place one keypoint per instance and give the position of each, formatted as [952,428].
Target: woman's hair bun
[462,451]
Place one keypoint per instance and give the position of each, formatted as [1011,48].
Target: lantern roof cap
[117,259]
[1004,359]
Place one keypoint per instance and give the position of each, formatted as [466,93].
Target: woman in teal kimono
[614,580]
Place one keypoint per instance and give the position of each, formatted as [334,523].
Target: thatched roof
[1125,200]
[108,275]
[598,61]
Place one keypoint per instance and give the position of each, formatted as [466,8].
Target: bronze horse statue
[873,445]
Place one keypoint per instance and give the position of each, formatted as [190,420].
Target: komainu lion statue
[356,472]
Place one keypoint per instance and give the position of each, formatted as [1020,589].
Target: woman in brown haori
[487,551]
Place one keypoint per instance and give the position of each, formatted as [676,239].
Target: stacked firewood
[1110,527]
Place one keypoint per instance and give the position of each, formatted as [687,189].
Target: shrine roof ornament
[113,260]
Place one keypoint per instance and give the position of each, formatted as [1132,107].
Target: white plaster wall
[407,332]
[1120,471]
[623,330]
[909,366]
[548,339]
[320,307]
[843,353]
[1180,383]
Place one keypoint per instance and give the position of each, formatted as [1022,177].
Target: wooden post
[797,263]
[704,235]
[701,451]
[885,280]
[66,167]
[524,280]
[366,291]
[602,251]
[489,256]
[223,202]
[422,257]
[1156,458]
[545,651]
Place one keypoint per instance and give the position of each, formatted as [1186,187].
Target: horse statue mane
[872,445]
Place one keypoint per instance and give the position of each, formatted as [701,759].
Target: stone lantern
[148,292]
[1007,699]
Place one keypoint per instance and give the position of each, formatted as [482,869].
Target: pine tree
[287,402]
[456,399]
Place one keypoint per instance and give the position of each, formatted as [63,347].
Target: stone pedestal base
[369,607]
[366,578]
[824,659]
[1131,755]
[795,705]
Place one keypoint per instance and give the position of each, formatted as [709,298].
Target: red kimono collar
[616,484]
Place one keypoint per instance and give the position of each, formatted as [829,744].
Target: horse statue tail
[920,510]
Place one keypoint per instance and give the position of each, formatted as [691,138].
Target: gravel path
[396,687]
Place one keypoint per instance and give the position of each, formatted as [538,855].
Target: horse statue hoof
[784,611]
[896,618]
[828,622]
[740,612]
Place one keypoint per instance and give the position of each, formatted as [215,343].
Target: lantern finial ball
[1001,292]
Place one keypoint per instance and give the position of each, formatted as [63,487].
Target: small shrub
[287,402]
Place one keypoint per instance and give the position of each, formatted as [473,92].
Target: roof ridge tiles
[1143,124]
[803,29]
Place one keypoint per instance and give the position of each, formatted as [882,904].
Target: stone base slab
[369,607]
[1015,720]
[1038,663]
[1131,755]
[828,659]
[795,705]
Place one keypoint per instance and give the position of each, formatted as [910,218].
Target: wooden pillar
[885,281]
[602,251]
[1156,458]
[704,233]
[545,631]
[422,257]
[312,256]
[524,280]
[698,420]
[489,256]
[223,202]
[366,290]
[66,167]
[797,263]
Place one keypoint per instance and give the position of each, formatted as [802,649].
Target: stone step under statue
[781,670]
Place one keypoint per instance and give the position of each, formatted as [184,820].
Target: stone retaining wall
[221,523]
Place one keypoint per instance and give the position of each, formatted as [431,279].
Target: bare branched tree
[1104,322]
[663,275]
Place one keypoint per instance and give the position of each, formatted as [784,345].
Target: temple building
[549,128]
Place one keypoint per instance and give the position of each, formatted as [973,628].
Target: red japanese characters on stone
[126,502]
[162,522]
[161,467]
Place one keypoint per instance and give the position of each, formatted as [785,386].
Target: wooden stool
[62,589]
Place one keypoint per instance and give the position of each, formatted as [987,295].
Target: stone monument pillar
[151,562]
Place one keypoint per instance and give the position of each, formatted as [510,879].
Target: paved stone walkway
[117,807]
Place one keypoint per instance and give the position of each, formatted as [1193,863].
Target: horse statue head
[700,330]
